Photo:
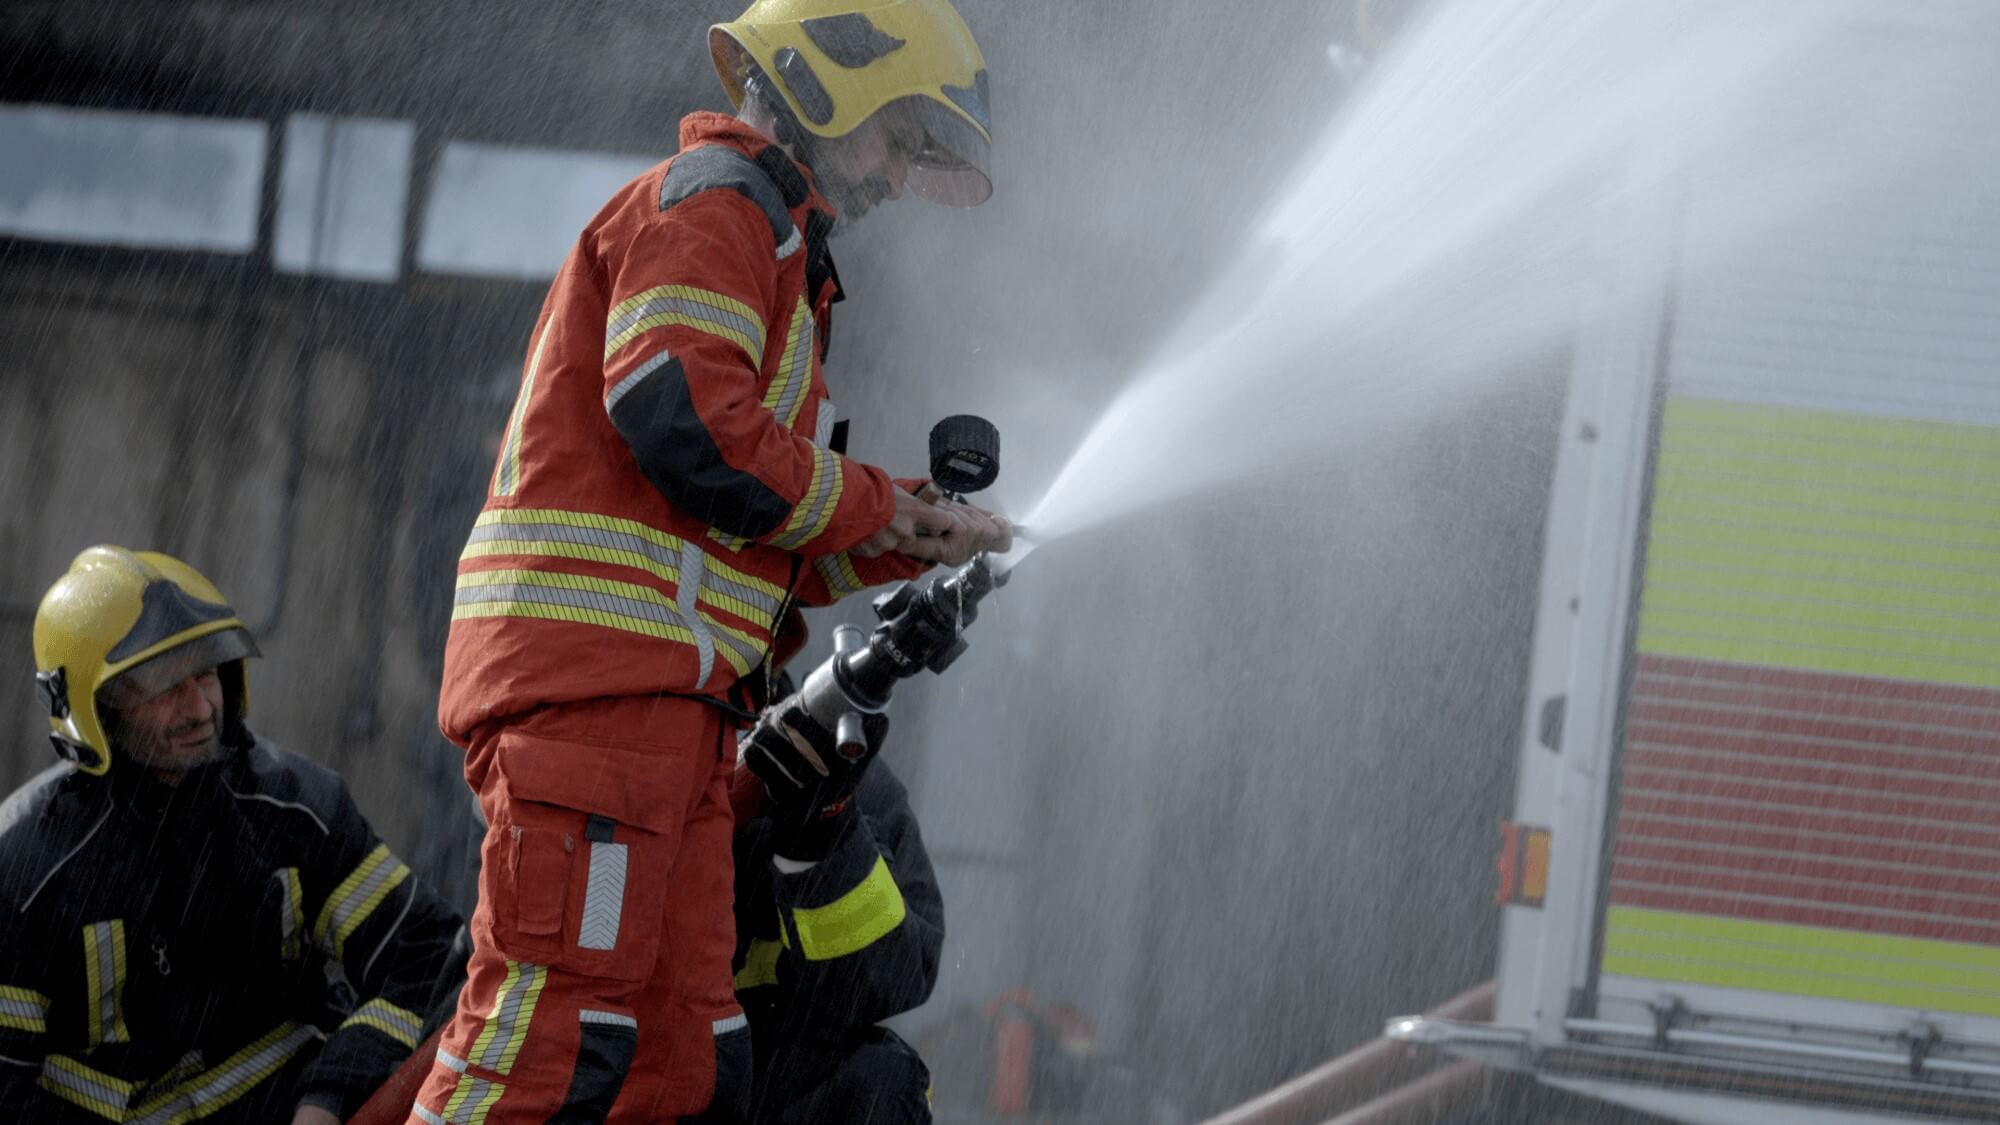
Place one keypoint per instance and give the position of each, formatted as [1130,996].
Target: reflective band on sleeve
[23,1009]
[787,392]
[838,573]
[727,1024]
[507,1026]
[603,897]
[400,1024]
[82,1086]
[634,378]
[615,1019]
[814,511]
[426,1116]
[292,914]
[854,921]
[760,965]
[688,307]
[356,898]
[790,246]
[507,473]
[104,979]
[190,1099]
[208,1092]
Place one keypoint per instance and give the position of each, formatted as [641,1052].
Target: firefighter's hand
[808,781]
[926,526]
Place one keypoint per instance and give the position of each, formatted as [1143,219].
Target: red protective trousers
[599,986]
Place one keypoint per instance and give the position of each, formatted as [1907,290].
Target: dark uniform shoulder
[881,792]
[774,185]
[274,776]
[44,822]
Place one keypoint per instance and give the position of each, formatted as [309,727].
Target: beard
[852,200]
[176,749]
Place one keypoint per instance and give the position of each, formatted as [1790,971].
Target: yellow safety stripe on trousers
[581,599]
[471,1100]
[189,1099]
[104,980]
[837,571]
[400,1024]
[760,965]
[507,1024]
[553,533]
[854,921]
[292,915]
[703,310]
[787,392]
[814,511]
[356,898]
[23,1009]
[507,472]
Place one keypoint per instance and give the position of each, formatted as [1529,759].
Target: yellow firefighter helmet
[138,618]
[838,62]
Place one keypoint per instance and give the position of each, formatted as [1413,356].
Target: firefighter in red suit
[669,489]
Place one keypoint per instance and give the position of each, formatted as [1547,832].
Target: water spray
[921,627]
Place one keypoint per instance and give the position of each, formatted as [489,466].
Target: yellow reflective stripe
[400,1024]
[356,898]
[213,1089]
[814,511]
[670,543]
[506,1028]
[82,1086]
[23,1009]
[838,573]
[292,920]
[760,965]
[576,598]
[1826,541]
[854,921]
[472,1100]
[786,395]
[1798,960]
[104,980]
[685,306]
[507,472]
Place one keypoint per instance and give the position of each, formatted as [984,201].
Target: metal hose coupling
[921,627]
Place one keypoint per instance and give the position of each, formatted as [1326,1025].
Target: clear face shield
[913,143]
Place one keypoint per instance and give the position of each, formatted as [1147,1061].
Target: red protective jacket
[664,486]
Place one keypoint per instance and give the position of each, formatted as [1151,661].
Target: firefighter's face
[868,166]
[176,730]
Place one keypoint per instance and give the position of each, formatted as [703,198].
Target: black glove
[809,783]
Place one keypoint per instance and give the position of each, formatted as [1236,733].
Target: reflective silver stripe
[352,904]
[535,593]
[823,425]
[291,915]
[507,1026]
[603,897]
[838,573]
[794,378]
[104,944]
[724,586]
[673,565]
[22,1011]
[687,597]
[749,655]
[624,386]
[815,508]
[617,1019]
[693,310]
[791,245]
[471,1099]
[209,1092]
[400,1024]
[451,1061]
[55,1074]
[426,1116]
[731,1023]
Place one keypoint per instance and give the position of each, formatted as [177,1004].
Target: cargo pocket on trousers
[603,1055]
[595,830]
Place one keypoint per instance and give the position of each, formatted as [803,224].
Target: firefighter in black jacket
[839,927]
[174,896]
